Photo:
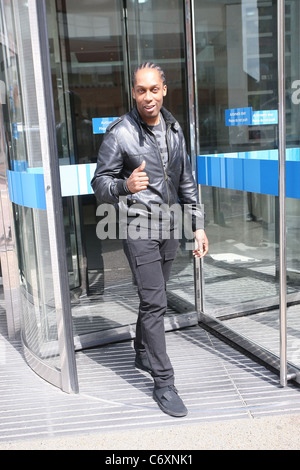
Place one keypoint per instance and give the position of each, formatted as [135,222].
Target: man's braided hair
[149,65]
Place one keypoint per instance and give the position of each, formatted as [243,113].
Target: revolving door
[66,75]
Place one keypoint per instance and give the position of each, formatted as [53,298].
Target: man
[143,160]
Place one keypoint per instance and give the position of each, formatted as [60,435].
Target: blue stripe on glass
[26,185]
[88,178]
[19,165]
[27,189]
[292,171]
[250,171]
[76,179]
[258,176]
[69,180]
[255,171]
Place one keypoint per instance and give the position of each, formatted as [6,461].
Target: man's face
[148,92]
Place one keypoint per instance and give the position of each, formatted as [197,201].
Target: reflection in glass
[39,327]
[236,50]
[237,68]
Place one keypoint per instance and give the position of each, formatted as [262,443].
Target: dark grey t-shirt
[160,134]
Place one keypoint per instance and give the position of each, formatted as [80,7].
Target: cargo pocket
[149,268]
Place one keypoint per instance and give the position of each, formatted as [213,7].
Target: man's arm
[107,183]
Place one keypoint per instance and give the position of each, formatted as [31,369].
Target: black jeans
[151,261]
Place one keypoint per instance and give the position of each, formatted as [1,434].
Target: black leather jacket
[127,142]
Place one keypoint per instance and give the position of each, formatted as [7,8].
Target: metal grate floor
[216,382]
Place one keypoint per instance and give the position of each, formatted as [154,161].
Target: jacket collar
[168,117]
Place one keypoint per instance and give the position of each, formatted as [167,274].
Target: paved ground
[233,402]
[267,433]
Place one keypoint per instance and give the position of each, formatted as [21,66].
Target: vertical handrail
[194,130]
[191,77]
[126,52]
[282,200]
[42,73]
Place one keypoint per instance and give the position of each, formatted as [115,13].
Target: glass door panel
[156,33]
[94,47]
[43,327]
[88,81]
[236,53]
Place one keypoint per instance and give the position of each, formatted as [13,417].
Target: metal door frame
[67,376]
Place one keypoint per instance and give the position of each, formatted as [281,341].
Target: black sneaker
[142,363]
[169,401]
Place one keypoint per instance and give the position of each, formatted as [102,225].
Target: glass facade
[26,175]
[39,328]
[230,101]
[236,49]
[237,81]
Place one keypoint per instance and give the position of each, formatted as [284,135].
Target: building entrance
[223,61]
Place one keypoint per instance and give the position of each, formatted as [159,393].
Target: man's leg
[147,261]
[151,264]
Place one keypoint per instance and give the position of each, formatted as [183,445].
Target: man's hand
[138,180]
[201,244]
